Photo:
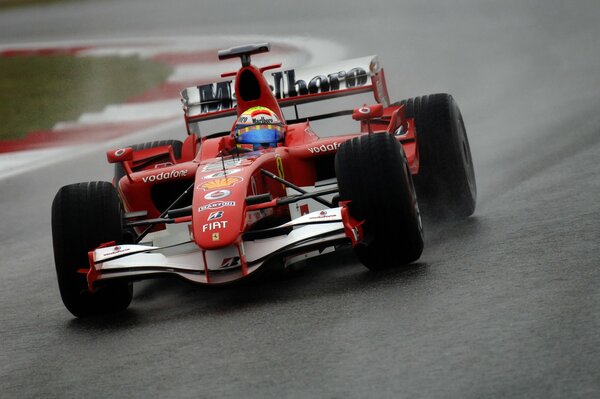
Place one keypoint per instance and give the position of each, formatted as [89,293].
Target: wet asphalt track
[505,304]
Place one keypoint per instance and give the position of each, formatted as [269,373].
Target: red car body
[242,209]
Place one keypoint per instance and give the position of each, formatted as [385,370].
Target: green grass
[37,92]
[6,4]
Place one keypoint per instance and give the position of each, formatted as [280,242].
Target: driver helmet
[258,127]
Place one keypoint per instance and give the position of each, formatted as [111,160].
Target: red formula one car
[218,207]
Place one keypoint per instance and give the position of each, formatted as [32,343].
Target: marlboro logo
[219,96]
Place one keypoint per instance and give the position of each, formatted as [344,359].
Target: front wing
[311,232]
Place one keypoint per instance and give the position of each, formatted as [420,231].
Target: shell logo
[228,181]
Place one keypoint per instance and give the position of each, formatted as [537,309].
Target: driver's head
[258,127]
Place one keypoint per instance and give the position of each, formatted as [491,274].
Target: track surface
[506,304]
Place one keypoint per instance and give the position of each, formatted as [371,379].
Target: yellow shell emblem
[228,181]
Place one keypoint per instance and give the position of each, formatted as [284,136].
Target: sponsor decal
[162,165]
[228,163]
[117,250]
[120,152]
[174,174]
[228,181]
[364,110]
[218,204]
[324,148]
[213,195]
[214,226]
[263,121]
[230,262]
[258,116]
[216,97]
[279,163]
[286,84]
[280,171]
[254,216]
[221,174]
[303,209]
[323,215]
[215,237]
[215,215]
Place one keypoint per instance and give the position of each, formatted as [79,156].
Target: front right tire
[445,183]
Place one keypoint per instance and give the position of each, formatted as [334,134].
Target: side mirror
[367,112]
[120,155]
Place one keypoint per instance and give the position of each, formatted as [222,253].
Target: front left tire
[85,215]
[373,174]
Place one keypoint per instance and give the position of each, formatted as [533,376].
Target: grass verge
[7,4]
[37,92]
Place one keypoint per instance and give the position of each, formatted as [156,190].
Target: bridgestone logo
[174,174]
[324,148]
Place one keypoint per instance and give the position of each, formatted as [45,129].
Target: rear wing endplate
[291,87]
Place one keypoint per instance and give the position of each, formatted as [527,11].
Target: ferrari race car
[222,206]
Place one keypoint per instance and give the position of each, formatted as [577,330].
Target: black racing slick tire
[85,215]
[373,174]
[175,144]
[445,183]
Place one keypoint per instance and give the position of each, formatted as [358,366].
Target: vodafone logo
[324,148]
[174,174]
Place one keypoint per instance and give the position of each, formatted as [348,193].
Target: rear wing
[291,87]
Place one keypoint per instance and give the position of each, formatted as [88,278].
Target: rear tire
[445,183]
[85,215]
[373,174]
[176,144]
